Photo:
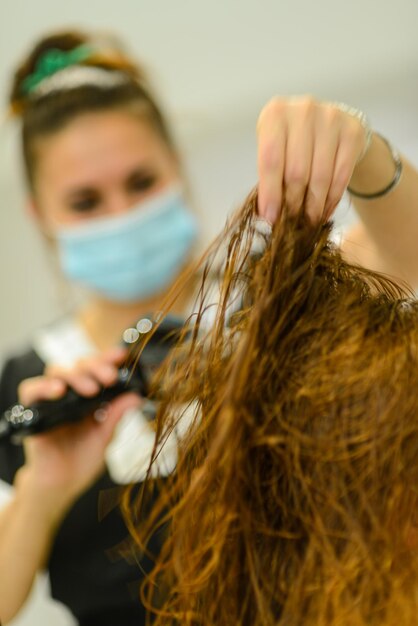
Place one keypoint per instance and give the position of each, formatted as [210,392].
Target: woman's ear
[32,209]
[35,215]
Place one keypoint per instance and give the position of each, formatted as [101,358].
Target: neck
[104,321]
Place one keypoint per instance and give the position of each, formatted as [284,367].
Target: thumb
[109,418]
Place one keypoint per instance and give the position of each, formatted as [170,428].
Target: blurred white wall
[215,64]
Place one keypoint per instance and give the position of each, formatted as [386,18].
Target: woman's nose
[118,203]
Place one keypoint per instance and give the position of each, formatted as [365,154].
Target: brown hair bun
[110,54]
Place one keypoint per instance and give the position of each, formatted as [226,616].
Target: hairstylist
[105,188]
[89,165]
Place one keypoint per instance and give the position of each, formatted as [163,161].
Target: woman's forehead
[98,147]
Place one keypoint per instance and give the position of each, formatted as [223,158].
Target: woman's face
[101,164]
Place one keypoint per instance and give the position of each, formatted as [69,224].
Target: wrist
[378,172]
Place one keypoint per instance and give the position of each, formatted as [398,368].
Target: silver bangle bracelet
[393,183]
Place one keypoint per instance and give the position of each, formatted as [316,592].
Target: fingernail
[89,386]
[271,213]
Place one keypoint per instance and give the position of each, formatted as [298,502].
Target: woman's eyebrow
[140,172]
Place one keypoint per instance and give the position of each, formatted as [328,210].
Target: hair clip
[52,61]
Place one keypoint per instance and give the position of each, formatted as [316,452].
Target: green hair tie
[52,62]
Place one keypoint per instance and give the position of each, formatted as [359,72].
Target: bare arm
[27,528]
[387,237]
[59,466]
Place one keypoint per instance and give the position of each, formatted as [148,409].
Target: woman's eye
[84,205]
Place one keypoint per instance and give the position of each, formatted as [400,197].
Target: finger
[322,171]
[40,388]
[114,412]
[116,355]
[80,381]
[271,132]
[104,367]
[346,158]
[103,372]
[299,154]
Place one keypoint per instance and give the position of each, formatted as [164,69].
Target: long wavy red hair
[294,500]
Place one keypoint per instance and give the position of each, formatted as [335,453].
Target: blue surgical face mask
[131,256]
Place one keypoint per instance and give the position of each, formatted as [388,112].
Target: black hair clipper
[19,421]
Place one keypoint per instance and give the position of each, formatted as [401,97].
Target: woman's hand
[60,465]
[307,152]
[65,461]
